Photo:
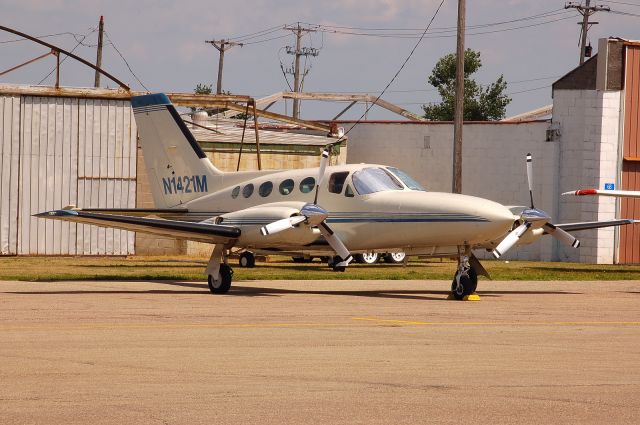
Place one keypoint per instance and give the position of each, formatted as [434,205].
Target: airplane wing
[585,225]
[598,192]
[199,232]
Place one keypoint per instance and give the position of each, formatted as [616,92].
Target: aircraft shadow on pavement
[252,291]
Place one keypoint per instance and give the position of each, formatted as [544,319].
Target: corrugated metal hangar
[59,151]
[78,147]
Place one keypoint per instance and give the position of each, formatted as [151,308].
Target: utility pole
[586,11]
[458,116]
[99,53]
[304,51]
[222,46]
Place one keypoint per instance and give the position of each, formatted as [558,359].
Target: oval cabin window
[286,187]
[307,185]
[247,191]
[265,189]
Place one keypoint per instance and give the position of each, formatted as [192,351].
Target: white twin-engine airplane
[329,210]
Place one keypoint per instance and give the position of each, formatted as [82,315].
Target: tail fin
[178,169]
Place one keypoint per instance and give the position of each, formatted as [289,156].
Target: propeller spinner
[533,218]
[314,215]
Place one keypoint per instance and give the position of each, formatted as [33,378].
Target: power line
[625,13]
[625,3]
[257,33]
[586,11]
[396,74]
[125,61]
[446,36]
[404,32]
[65,58]
[42,36]
[448,29]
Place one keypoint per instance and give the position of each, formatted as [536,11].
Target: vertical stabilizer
[179,171]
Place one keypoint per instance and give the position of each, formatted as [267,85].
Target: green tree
[480,103]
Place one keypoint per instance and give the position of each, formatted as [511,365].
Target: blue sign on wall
[609,186]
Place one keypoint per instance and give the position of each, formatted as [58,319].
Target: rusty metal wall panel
[629,248]
[9,168]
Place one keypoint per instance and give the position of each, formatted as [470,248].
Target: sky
[362,44]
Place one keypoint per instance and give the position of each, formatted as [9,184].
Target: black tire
[333,263]
[302,259]
[367,258]
[468,285]
[226,275]
[394,257]
[247,259]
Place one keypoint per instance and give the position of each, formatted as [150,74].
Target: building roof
[226,133]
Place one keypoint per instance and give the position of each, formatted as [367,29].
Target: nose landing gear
[465,281]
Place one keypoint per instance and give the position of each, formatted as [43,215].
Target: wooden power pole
[221,46]
[458,116]
[586,11]
[298,52]
[99,52]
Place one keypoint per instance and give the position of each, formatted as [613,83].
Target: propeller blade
[561,235]
[510,240]
[280,225]
[323,166]
[335,243]
[530,177]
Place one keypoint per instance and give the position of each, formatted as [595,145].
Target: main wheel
[333,263]
[302,259]
[394,257]
[367,258]
[247,259]
[468,284]
[222,285]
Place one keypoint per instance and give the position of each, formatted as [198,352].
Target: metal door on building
[629,252]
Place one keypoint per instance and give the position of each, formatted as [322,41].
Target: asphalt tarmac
[335,352]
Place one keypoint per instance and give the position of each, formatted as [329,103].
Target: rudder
[178,169]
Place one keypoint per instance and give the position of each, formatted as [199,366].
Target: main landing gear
[219,273]
[465,281]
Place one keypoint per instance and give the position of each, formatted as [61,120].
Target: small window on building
[307,185]
[235,192]
[265,189]
[348,192]
[336,181]
[247,190]
[286,187]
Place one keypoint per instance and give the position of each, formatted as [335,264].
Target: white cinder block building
[593,139]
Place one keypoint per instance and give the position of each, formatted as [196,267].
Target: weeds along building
[78,146]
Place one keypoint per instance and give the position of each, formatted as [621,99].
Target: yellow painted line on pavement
[550,323]
[151,326]
[364,322]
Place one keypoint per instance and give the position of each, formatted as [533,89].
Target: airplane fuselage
[389,218]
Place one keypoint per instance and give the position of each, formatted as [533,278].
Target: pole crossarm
[71,55]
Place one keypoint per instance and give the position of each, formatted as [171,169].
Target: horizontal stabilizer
[200,232]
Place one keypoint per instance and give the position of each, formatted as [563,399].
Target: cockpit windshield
[406,179]
[374,179]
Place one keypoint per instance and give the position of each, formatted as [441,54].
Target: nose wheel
[465,281]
